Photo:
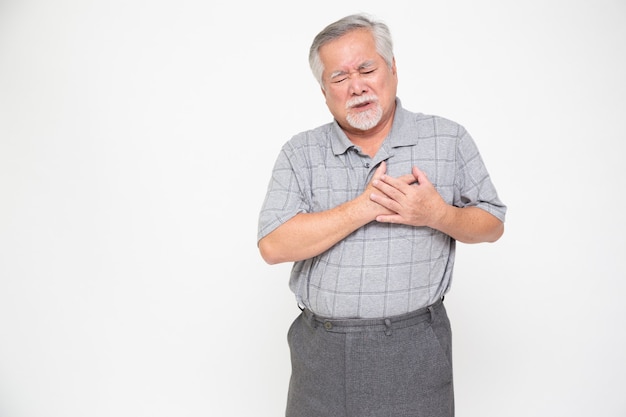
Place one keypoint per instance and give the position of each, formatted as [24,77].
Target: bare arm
[421,205]
[309,234]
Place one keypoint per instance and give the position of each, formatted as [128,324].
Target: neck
[369,144]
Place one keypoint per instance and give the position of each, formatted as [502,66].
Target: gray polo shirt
[381,269]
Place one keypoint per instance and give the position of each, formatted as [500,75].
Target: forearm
[469,224]
[309,234]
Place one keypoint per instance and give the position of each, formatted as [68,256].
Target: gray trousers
[395,367]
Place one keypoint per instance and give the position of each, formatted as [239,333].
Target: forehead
[349,51]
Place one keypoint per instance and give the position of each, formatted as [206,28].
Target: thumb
[420,176]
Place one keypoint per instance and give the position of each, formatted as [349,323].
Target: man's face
[359,87]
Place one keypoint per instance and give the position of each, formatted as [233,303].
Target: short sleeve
[284,198]
[473,186]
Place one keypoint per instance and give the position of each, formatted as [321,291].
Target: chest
[335,179]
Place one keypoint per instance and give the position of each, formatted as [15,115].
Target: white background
[136,142]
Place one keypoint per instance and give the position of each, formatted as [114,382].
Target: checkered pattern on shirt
[381,269]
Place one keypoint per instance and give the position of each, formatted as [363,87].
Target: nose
[357,85]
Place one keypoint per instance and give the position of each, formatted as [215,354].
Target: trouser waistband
[382,324]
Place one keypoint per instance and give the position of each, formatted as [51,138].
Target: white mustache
[360,100]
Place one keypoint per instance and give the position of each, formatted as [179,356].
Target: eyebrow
[337,74]
[364,65]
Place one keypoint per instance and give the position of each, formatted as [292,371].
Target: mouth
[365,105]
[360,103]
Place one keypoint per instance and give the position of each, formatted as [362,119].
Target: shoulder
[430,125]
[312,137]
[427,125]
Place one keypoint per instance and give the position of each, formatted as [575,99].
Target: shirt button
[367,165]
[328,325]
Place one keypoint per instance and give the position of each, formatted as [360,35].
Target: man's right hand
[309,234]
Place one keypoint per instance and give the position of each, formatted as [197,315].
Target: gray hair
[379,30]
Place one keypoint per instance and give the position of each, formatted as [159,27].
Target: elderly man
[369,208]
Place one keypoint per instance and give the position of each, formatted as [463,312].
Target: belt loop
[388,329]
[431,310]
[310,317]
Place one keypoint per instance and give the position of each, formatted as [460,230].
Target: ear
[394,70]
[323,91]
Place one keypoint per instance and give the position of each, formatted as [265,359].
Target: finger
[420,176]
[408,179]
[389,218]
[401,183]
[386,201]
[389,186]
[380,171]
